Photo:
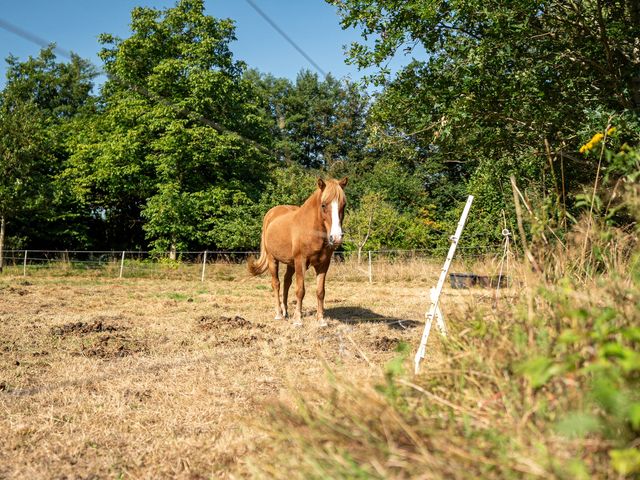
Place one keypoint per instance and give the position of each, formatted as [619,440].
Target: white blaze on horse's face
[332,205]
[335,235]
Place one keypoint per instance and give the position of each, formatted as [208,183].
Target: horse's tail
[256,267]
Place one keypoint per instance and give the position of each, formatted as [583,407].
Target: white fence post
[434,310]
[370,269]
[24,265]
[122,264]
[204,265]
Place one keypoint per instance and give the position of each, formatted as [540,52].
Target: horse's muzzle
[335,240]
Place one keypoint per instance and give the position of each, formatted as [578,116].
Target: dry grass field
[142,378]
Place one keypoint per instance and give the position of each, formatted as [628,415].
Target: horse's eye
[324,206]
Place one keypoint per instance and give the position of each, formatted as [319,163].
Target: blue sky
[74,25]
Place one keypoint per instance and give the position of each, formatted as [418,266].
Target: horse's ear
[321,184]
[343,182]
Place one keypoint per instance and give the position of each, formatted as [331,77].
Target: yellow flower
[596,139]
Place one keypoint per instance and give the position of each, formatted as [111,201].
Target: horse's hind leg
[287,284]
[275,285]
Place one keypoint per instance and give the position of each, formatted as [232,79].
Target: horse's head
[332,203]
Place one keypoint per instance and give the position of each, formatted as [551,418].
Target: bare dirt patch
[233,331]
[385,344]
[15,290]
[111,346]
[96,326]
[207,322]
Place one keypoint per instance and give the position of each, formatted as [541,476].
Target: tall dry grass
[542,383]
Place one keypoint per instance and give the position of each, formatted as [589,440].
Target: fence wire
[372,265]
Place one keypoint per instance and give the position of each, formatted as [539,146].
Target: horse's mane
[332,191]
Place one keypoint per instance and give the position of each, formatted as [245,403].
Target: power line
[284,35]
[33,38]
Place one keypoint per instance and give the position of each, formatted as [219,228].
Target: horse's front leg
[275,285]
[285,291]
[300,270]
[321,273]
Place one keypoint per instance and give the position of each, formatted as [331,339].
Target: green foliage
[539,370]
[393,370]
[489,89]
[578,425]
[288,185]
[39,105]
[178,140]
[315,123]
[186,147]
[388,209]
[23,144]
[626,461]
[597,347]
[377,224]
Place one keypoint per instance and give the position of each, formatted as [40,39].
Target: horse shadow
[356,315]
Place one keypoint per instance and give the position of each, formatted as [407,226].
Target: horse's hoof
[297,324]
[322,323]
[278,317]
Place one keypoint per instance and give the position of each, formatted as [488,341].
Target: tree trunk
[2,229]
[172,251]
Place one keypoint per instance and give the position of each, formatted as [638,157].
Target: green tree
[493,88]
[40,102]
[316,123]
[179,137]
[371,223]
[376,223]
[23,150]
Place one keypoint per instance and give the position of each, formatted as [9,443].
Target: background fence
[373,265]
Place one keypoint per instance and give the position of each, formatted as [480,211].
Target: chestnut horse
[299,237]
